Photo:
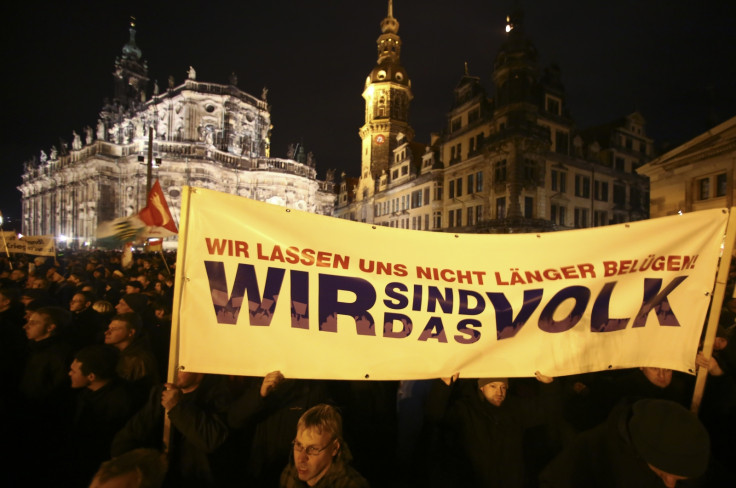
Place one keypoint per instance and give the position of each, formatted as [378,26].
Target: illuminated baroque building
[203,134]
[512,162]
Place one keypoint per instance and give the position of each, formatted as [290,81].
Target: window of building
[473,115]
[455,124]
[721,185]
[451,190]
[703,188]
[528,207]
[405,170]
[553,105]
[471,214]
[426,196]
[559,181]
[711,186]
[479,181]
[395,174]
[499,171]
[470,183]
[459,217]
[479,213]
[501,208]
[620,164]
[416,199]
[619,195]
[459,187]
[451,217]
[426,221]
[600,190]
[600,217]
[581,218]
[582,186]
[438,220]
[557,214]
[530,169]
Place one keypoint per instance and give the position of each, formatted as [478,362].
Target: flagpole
[161,251]
[179,280]
[715,308]
[149,165]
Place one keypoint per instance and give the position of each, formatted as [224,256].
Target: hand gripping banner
[263,288]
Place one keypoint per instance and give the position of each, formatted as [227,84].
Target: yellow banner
[266,288]
[35,245]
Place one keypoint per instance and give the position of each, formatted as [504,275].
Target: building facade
[697,175]
[199,134]
[511,162]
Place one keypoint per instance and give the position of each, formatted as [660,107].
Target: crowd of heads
[81,325]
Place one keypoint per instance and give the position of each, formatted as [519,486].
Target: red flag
[156,213]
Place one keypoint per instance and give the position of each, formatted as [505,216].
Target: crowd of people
[85,343]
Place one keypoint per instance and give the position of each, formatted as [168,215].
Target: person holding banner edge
[481,430]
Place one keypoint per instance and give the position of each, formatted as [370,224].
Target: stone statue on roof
[76,141]
[192,74]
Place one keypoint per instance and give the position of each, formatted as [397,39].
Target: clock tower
[387,95]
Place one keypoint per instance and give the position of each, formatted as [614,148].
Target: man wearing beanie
[482,430]
[651,442]
[133,302]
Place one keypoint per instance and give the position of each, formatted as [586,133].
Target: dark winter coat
[483,443]
[603,457]
[198,429]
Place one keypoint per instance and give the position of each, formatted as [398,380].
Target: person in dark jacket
[196,405]
[137,364]
[44,377]
[320,456]
[483,431]
[12,339]
[645,444]
[264,418]
[103,405]
[45,398]
[87,324]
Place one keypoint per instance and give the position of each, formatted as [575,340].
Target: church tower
[387,96]
[130,74]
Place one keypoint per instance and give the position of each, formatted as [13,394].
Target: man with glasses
[320,455]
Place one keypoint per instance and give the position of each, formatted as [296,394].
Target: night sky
[673,60]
